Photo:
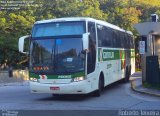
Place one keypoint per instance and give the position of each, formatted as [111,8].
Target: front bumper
[81,87]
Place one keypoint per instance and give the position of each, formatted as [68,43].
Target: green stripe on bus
[33,75]
[105,54]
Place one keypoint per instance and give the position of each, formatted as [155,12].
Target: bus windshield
[56,56]
[56,48]
[59,29]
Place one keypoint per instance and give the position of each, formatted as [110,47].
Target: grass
[150,86]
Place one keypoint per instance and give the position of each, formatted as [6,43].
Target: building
[150,33]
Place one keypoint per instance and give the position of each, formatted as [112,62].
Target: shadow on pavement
[72,97]
[65,98]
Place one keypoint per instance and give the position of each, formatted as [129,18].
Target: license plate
[54,88]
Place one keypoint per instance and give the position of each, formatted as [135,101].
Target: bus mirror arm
[85,51]
[85,40]
[21,44]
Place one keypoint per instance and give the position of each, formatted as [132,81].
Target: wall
[21,74]
[18,76]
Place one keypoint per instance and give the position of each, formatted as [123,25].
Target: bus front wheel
[97,93]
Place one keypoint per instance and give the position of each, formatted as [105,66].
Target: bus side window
[107,41]
[91,59]
[129,41]
[124,42]
[101,35]
[114,39]
[120,40]
[117,39]
[104,36]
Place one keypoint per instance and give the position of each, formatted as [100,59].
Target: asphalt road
[118,96]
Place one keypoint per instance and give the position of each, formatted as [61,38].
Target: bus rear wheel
[127,74]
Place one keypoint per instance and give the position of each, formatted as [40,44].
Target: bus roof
[84,19]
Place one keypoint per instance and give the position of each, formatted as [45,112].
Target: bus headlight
[33,79]
[76,79]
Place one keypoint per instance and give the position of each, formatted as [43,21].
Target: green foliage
[16,23]
[121,13]
[151,86]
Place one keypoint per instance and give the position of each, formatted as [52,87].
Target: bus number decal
[64,76]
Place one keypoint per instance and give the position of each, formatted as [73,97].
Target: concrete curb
[133,87]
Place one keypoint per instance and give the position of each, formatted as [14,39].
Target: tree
[12,26]
[16,23]
[121,13]
[147,8]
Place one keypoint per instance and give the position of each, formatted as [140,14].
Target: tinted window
[91,59]
[114,39]
[58,29]
[104,36]
[108,37]
[117,39]
[100,34]
[59,55]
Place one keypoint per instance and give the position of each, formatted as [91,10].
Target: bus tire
[97,93]
[127,74]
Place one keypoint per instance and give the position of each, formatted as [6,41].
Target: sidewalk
[136,85]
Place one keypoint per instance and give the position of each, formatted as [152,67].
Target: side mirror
[21,44]
[85,40]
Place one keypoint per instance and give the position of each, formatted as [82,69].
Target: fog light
[33,79]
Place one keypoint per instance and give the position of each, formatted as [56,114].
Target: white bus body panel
[81,87]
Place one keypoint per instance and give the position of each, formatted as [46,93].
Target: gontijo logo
[43,76]
[108,55]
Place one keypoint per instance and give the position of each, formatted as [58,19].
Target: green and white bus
[77,55]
